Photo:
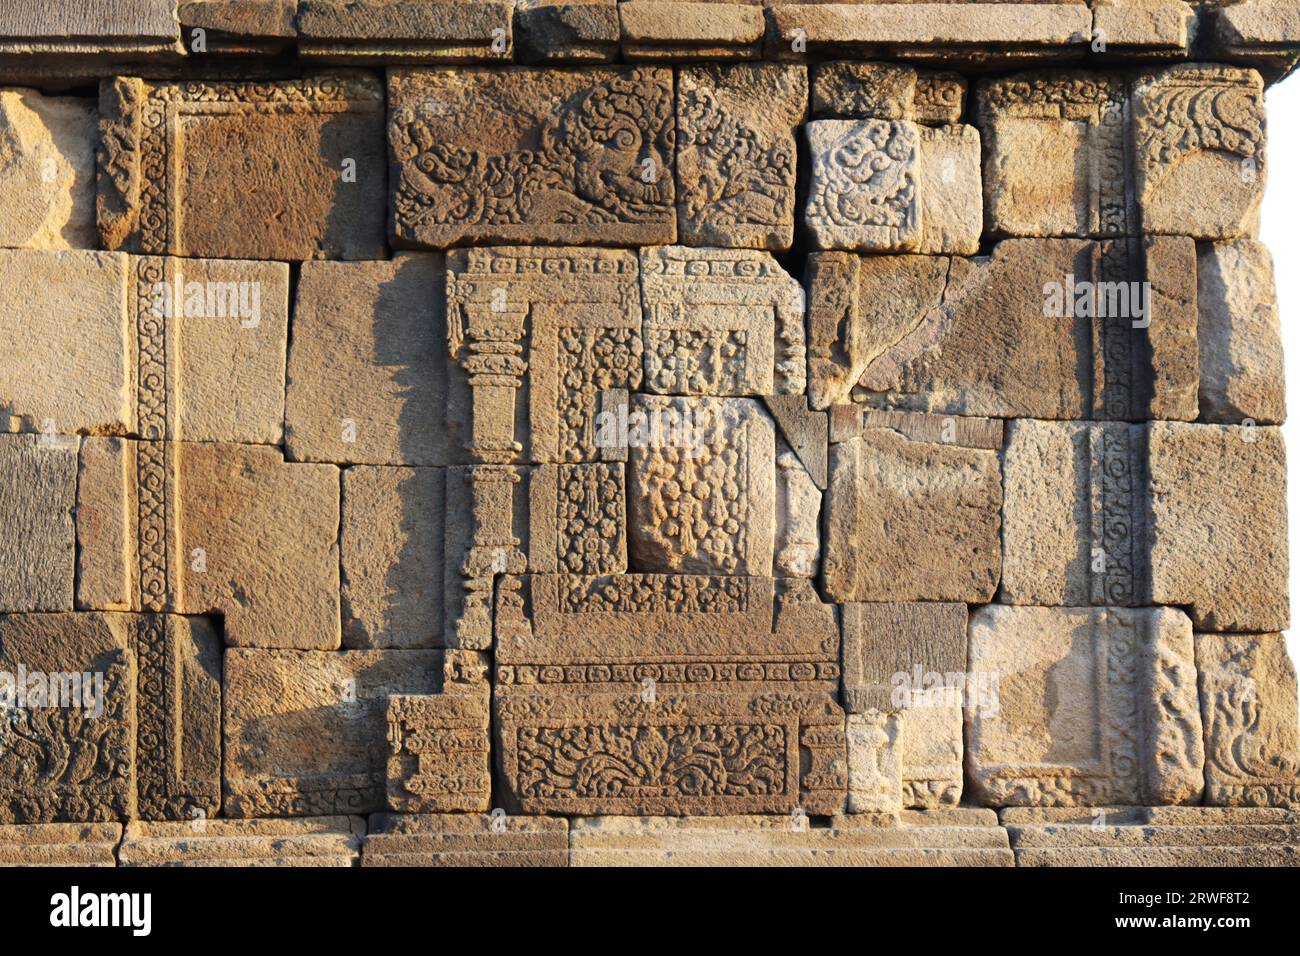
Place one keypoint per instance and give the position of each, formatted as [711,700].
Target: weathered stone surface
[670,29]
[439,745]
[1150,836]
[797,545]
[1074,515]
[1056,161]
[850,421]
[552,157]
[1219,527]
[311,841]
[1199,143]
[949,188]
[897,653]
[433,31]
[1240,335]
[258,542]
[927,513]
[930,751]
[1258,33]
[47,186]
[124,26]
[864,193]
[392,556]
[305,731]
[368,372]
[60,844]
[888,91]
[935,838]
[38,487]
[68,684]
[105,525]
[707,504]
[275,170]
[566,31]
[1094,706]
[178,716]
[720,322]
[460,839]
[1150,28]
[559,325]
[1249,711]
[930,334]
[805,431]
[240,18]
[577,519]
[736,153]
[875,762]
[74,374]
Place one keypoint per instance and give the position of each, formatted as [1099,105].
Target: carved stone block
[889,91]
[875,763]
[736,153]
[1074,515]
[285,169]
[718,322]
[369,377]
[392,553]
[1249,711]
[552,156]
[557,326]
[577,520]
[1218,531]
[865,188]
[927,513]
[68,697]
[438,760]
[1199,140]
[38,488]
[305,730]
[1094,706]
[705,503]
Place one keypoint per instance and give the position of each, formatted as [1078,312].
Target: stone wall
[521,432]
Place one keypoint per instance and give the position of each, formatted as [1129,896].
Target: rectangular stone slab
[305,731]
[60,844]
[38,486]
[312,841]
[587,154]
[461,839]
[289,170]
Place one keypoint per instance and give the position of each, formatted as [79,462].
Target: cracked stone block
[888,91]
[736,153]
[931,334]
[310,841]
[392,555]
[720,322]
[68,682]
[464,839]
[1093,706]
[305,731]
[864,193]
[544,335]
[1219,525]
[552,156]
[1199,140]
[702,496]
[384,31]
[38,488]
[283,169]
[1249,711]
[60,844]
[1240,335]
[368,379]
[47,185]
[1074,514]
[566,31]
[928,514]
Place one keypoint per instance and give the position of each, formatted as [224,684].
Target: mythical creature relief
[604,156]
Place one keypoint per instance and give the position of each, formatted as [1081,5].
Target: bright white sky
[1281,232]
